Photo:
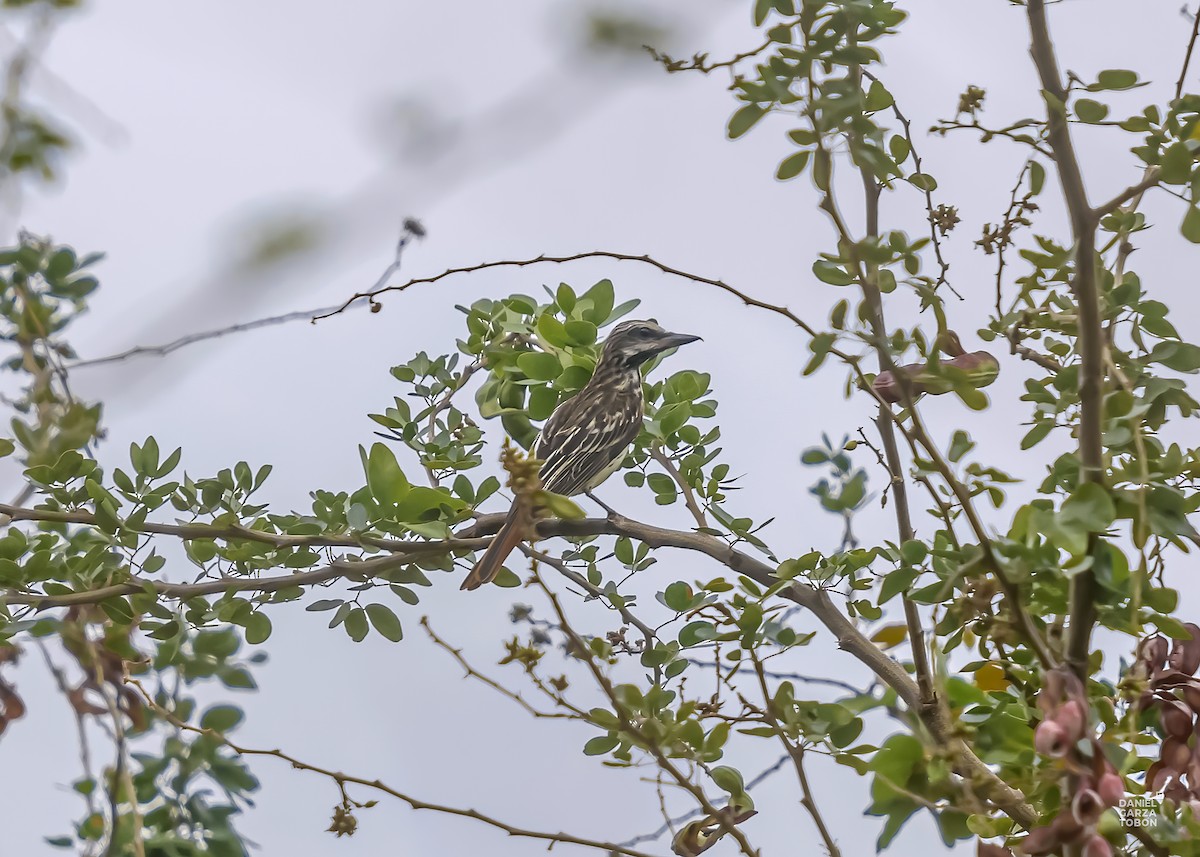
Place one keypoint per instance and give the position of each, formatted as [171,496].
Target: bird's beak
[674,340]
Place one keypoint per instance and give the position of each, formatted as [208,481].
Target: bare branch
[412,229]
[590,254]
[342,779]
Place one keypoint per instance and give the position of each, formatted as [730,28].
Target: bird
[584,440]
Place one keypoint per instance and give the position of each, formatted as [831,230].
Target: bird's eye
[643,332]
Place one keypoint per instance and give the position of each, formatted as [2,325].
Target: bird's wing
[582,439]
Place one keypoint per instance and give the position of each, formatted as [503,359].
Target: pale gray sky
[231,111]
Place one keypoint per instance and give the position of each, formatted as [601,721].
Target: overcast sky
[221,116]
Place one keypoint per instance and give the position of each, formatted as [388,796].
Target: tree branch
[342,779]
[590,254]
[1082,598]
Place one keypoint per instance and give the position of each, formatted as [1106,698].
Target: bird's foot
[611,513]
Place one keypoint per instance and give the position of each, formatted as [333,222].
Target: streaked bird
[585,439]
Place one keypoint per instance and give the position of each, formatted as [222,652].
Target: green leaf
[678,596]
[923,181]
[1180,356]
[1036,434]
[1116,78]
[878,97]
[744,119]
[960,445]
[236,677]
[792,166]
[258,628]
[221,718]
[1037,178]
[384,477]
[1089,509]
[896,582]
[552,331]
[1191,225]
[581,332]
[1176,166]
[385,622]
[1090,111]
[828,272]
[539,365]
[118,610]
[601,744]
[601,298]
[697,632]
[356,624]
[7,447]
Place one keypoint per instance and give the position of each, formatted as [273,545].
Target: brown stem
[1082,597]
[689,496]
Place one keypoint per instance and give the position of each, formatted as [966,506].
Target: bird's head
[632,343]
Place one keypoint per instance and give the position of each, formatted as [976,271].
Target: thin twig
[412,229]
[471,672]
[342,779]
[689,496]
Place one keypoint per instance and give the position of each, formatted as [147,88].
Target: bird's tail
[503,543]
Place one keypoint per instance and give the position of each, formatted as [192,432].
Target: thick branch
[1091,335]
[848,636]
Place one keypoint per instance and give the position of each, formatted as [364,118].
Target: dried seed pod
[1097,846]
[1111,788]
[1050,740]
[1175,754]
[1072,717]
[1185,654]
[1177,719]
[1191,695]
[1159,776]
[1152,652]
[1087,807]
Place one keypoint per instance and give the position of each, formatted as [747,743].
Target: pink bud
[1111,788]
[1050,740]
[1097,846]
[1072,717]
